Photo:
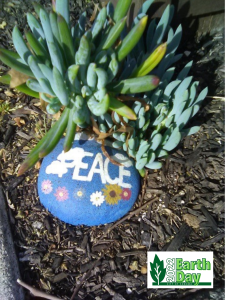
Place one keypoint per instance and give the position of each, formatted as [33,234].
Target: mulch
[180,207]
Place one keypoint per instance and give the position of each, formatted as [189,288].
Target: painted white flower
[97,198]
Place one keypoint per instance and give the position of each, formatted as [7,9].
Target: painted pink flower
[47,186]
[126,194]
[61,194]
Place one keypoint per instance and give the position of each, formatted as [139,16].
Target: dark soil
[180,207]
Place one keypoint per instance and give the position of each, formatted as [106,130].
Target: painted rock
[82,186]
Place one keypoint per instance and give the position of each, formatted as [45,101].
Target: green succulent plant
[89,75]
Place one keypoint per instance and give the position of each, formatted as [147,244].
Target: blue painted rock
[82,186]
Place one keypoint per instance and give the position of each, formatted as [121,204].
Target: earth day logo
[174,269]
[157,270]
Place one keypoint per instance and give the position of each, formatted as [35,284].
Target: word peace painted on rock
[73,159]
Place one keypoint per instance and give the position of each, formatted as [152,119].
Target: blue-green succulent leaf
[62,8]
[59,87]
[173,140]
[184,72]
[141,163]
[154,165]
[20,45]
[155,141]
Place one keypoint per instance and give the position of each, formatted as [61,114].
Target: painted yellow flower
[112,193]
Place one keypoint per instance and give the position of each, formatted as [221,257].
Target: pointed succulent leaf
[134,85]
[145,7]
[141,121]
[155,165]
[170,35]
[132,38]
[132,144]
[181,89]
[150,34]
[110,10]
[66,40]
[142,172]
[33,64]
[35,26]
[168,121]
[151,62]
[161,28]
[59,87]
[175,42]
[71,77]
[161,153]
[20,44]
[116,135]
[141,163]
[54,26]
[158,120]
[121,9]
[170,87]
[142,150]
[114,33]
[82,22]
[201,96]
[14,63]
[62,8]
[83,53]
[195,109]
[53,139]
[56,130]
[184,118]
[121,109]
[37,7]
[190,131]
[46,86]
[35,86]
[103,128]
[155,141]
[108,120]
[54,50]
[151,156]
[46,71]
[166,62]
[184,72]
[192,93]
[37,47]
[168,75]
[117,144]
[99,22]
[173,140]
[177,110]
[112,70]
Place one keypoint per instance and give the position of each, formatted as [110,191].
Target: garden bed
[180,207]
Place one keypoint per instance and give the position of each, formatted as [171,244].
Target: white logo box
[180,269]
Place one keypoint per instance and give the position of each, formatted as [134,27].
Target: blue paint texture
[80,202]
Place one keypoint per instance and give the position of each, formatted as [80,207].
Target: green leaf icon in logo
[157,270]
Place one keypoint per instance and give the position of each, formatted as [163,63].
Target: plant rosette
[111,81]
[83,187]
